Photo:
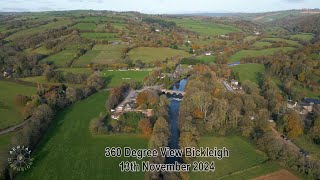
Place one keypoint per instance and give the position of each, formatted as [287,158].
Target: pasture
[260,44]
[106,54]
[207,59]
[35,30]
[251,72]
[61,59]
[101,36]
[205,27]
[256,53]
[115,78]
[290,42]
[10,114]
[85,26]
[69,151]
[86,59]
[151,54]
[244,160]
[302,37]
[42,80]
[305,143]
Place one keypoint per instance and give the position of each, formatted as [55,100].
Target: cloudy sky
[159,6]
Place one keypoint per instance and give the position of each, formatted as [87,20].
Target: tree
[202,101]
[293,126]
[315,131]
[95,81]
[145,126]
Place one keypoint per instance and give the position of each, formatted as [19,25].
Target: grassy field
[9,113]
[261,44]
[150,54]
[243,157]
[42,50]
[69,151]
[251,72]
[115,78]
[290,42]
[255,53]
[85,26]
[302,37]
[205,27]
[104,54]
[61,59]
[39,29]
[42,80]
[207,59]
[250,38]
[76,70]
[86,59]
[304,143]
[101,36]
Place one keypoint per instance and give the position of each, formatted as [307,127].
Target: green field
[251,72]
[250,38]
[105,54]
[150,54]
[42,50]
[290,42]
[205,27]
[9,113]
[207,59]
[255,53]
[69,151]
[244,160]
[115,78]
[76,70]
[302,37]
[85,26]
[101,36]
[39,29]
[261,44]
[42,80]
[86,59]
[61,59]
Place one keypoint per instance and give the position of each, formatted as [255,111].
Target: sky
[159,6]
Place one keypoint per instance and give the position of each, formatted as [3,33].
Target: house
[305,107]
[7,73]
[128,107]
[120,108]
[311,100]
[234,82]
[208,53]
[291,106]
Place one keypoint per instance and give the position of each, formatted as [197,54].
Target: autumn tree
[314,132]
[293,126]
[145,126]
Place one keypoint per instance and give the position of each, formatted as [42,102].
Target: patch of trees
[190,61]
[162,23]
[117,95]
[148,99]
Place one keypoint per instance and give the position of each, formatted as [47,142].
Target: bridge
[173,92]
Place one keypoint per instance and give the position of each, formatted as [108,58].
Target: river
[173,120]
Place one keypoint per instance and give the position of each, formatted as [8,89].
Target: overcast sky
[159,6]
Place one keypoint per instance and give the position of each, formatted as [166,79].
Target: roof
[311,100]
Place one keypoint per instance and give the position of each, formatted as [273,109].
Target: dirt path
[15,127]
[279,175]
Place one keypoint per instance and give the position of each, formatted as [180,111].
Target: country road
[13,128]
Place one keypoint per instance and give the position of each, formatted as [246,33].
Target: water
[173,121]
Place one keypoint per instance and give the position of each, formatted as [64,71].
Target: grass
[69,151]
[251,72]
[42,80]
[290,42]
[256,53]
[9,113]
[250,38]
[86,59]
[32,31]
[5,140]
[42,50]
[115,78]
[242,157]
[302,37]
[61,59]
[76,70]
[304,143]
[85,26]
[101,36]
[150,54]
[205,27]
[105,54]
[260,44]
[207,59]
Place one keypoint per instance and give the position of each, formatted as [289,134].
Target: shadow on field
[107,80]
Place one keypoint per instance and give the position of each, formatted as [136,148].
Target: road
[227,86]
[13,128]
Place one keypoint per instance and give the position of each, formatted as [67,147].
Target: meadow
[290,42]
[244,160]
[207,59]
[255,53]
[10,114]
[69,151]
[307,144]
[260,44]
[42,80]
[205,27]
[251,72]
[61,59]
[106,54]
[302,37]
[115,78]
[150,54]
[85,26]
[86,59]
[32,31]
[101,36]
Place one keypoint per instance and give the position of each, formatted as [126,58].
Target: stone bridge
[173,92]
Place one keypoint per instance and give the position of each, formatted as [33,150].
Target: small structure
[7,73]
[234,82]
[208,53]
